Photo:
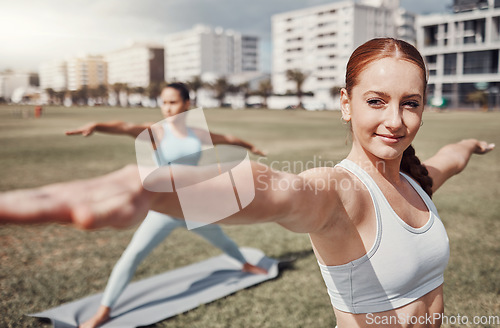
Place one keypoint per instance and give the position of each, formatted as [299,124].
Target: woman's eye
[411,104]
[375,102]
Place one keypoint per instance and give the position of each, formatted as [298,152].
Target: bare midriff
[425,312]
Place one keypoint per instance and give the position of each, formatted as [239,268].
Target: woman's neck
[178,126]
[388,169]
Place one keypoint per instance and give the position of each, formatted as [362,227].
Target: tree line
[220,88]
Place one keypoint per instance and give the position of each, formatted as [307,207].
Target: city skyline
[34,32]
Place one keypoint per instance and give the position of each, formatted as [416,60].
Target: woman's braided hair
[382,48]
[410,164]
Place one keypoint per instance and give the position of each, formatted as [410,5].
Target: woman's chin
[388,154]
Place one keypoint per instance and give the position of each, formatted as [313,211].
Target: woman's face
[172,103]
[385,107]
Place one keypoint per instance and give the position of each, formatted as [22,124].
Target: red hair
[380,48]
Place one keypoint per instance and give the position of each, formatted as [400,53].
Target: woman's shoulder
[345,196]
[336,182]
[336,177]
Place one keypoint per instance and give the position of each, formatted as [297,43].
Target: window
[496,28]
[481,62]
[474,31]
[450,64]
[430,33]
[431,59]
[448,88]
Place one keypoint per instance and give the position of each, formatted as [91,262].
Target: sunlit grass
[45,266]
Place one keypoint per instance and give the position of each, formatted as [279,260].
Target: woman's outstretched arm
[118,199]
[222,139]
[453,158]
[112,127]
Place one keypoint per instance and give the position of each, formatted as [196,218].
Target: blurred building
[137,65]
[53,75]
[252,79]
[462,51]
[460,6]
[406,26]
[319,40]
[206,51]
[89,71]
[10,81]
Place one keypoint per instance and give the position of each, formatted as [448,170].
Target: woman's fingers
[484,147]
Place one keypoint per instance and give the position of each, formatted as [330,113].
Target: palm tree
[195,84]
[221,86]
[51,94]
[245,89]
[139,90]
[117,87]
[153,90]
[102,93]
[60,95]
[93,93]
[81,95]
[297,76]
[265,90]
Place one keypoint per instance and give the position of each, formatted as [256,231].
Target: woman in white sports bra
[379,242]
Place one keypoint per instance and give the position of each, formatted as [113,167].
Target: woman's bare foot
[250,268]
[98,319]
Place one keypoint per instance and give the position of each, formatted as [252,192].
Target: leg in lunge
[155,228]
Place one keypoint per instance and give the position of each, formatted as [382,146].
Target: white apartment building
[205,51]
[319,41]
[136,65]
[89,71]
[462,51]
[53,75]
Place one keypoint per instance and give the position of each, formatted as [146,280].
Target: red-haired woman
[378,239]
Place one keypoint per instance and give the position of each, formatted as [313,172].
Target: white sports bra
[404,263]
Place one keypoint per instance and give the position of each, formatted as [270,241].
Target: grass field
[45,266]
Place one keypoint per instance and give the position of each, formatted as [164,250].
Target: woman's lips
[388,138]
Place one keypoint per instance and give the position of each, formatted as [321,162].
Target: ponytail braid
[411,165]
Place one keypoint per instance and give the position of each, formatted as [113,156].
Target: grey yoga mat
[165,295]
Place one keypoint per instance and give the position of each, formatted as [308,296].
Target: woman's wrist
[469,144]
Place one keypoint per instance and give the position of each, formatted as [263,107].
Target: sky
[32,32]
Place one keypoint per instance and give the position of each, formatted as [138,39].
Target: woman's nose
[394,117]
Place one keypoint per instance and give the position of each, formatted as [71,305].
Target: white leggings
[155,228]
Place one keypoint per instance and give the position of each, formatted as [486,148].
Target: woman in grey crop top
[378,239]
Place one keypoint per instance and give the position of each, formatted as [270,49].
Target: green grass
[45,266]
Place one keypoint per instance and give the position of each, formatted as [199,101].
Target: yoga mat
[165,295]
